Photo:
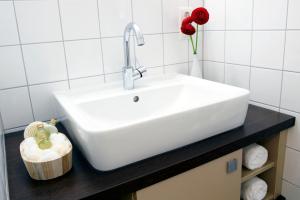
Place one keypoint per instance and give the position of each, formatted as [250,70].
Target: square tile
[265,86]
[114,77]
[294,14]
[268,49]
[238,47]
[87,82]
[114,23]
[15,107]
[38,21]
[175,49]
[290,191]
[239,14]
[293,139]
[45,62]
[8,25]
[237,75]
[84,58]
[171,14]
[12,72]
[44,104]
[292,51]
[79,19]
[196,3]
[290,96]
[292,166]
[216,11]
[213,71]
[269,14]
[148,15]
[154,71]
[214,45]
[151,53]
[113,55]
[177,68]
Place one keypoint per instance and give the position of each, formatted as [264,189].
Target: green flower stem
[191,38]
[196,40]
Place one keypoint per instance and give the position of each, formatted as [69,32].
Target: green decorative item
[42,137]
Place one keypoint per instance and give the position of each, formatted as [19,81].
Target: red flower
[200,16]
[186,26]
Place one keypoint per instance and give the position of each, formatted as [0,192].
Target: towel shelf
[248,174]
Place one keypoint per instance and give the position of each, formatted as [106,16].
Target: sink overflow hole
[136,99]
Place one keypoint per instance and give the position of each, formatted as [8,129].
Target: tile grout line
[101,46]
[295,185]
[284,49]
[251,46]
[63,42]
[23,60]
[224,48]
[163,35]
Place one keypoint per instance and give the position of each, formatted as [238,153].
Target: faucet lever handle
[139,72]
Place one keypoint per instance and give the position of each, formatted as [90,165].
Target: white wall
[255,44]
[60,44]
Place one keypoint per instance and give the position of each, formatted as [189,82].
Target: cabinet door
[210,181]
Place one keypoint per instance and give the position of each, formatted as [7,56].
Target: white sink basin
[113,131]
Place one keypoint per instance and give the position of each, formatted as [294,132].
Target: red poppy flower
[186,26]
[200,16]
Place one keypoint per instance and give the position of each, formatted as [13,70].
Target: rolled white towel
[254,156]
[254,189]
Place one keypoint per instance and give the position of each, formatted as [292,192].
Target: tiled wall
[59,44]
[255,44]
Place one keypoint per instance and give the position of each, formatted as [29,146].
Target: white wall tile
[45,62]
[238,47]
[38,21]
[239,14]
[177,68]
[237,75]
[292,166]
[214,45]
[148,15]
[294,14]
[175,49]
[84,58]
[267,49]
[290,96]
[154,71]
[15,107]
[293,140]
[195,3]
[8,25]
[151,53]
[269,14]
[114,77]
[213,71]
[216,11]
[87,82]
[79,19]
[171,14]
[290,191]
[264,106]
[265,86]
[292,51]
[113,56]
[12,72]
[114,16]
[43,102]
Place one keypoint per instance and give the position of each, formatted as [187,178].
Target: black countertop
[84,182]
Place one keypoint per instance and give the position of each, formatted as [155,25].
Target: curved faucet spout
[139,39]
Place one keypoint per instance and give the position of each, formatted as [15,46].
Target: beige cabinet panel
[206,182]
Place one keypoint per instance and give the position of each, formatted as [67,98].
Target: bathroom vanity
[196,171]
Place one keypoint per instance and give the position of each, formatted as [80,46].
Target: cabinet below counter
[84,182]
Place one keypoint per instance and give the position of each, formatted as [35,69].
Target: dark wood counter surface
[84,182]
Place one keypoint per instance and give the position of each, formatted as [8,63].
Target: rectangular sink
[114,127]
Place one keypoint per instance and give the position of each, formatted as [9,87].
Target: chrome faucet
[130,71]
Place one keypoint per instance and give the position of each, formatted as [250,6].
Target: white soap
[48,155]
